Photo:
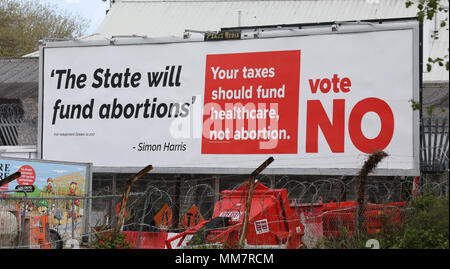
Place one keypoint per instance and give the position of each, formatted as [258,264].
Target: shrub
[425,226]
[106,239]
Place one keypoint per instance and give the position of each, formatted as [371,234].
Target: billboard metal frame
[319,29]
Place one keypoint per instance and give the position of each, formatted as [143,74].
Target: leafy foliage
[427,10]
[106,239]
[428,225]
[24,22]
[425,226]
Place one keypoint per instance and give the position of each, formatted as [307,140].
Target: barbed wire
[143,206]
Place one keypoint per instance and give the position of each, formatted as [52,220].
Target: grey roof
[19,78]
[162,18]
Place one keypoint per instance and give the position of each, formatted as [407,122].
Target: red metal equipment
[271,221]
[39,232]
[333,217]
[36,232]
[148,240]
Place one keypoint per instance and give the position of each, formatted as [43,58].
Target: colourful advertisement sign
[54,190]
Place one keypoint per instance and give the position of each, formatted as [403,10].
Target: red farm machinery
[336,218]
[271,221]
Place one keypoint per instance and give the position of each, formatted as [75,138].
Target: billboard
[47,185]
[317,101]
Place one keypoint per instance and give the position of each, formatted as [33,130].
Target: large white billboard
[318,103]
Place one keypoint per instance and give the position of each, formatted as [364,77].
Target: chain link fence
[161,206]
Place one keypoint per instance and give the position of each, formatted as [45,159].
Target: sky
[93,10]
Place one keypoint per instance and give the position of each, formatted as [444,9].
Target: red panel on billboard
[251,103]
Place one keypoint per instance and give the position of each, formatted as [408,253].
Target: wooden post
[272,182]
[343,190]
[251,185]
[113,200]
[125,197]
[402,192]
[216,181]
[367,168]
[176,203]
[9,178]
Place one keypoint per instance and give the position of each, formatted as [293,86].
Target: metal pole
[22,228]
[88,205]
[272,182]
[176,203]
[73,219]
[142,221]
[216,188]
[402,194]
[112,202]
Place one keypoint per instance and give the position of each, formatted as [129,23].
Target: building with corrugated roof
[157,18]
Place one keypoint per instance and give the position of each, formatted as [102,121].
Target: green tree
[24,22]
[428,10]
